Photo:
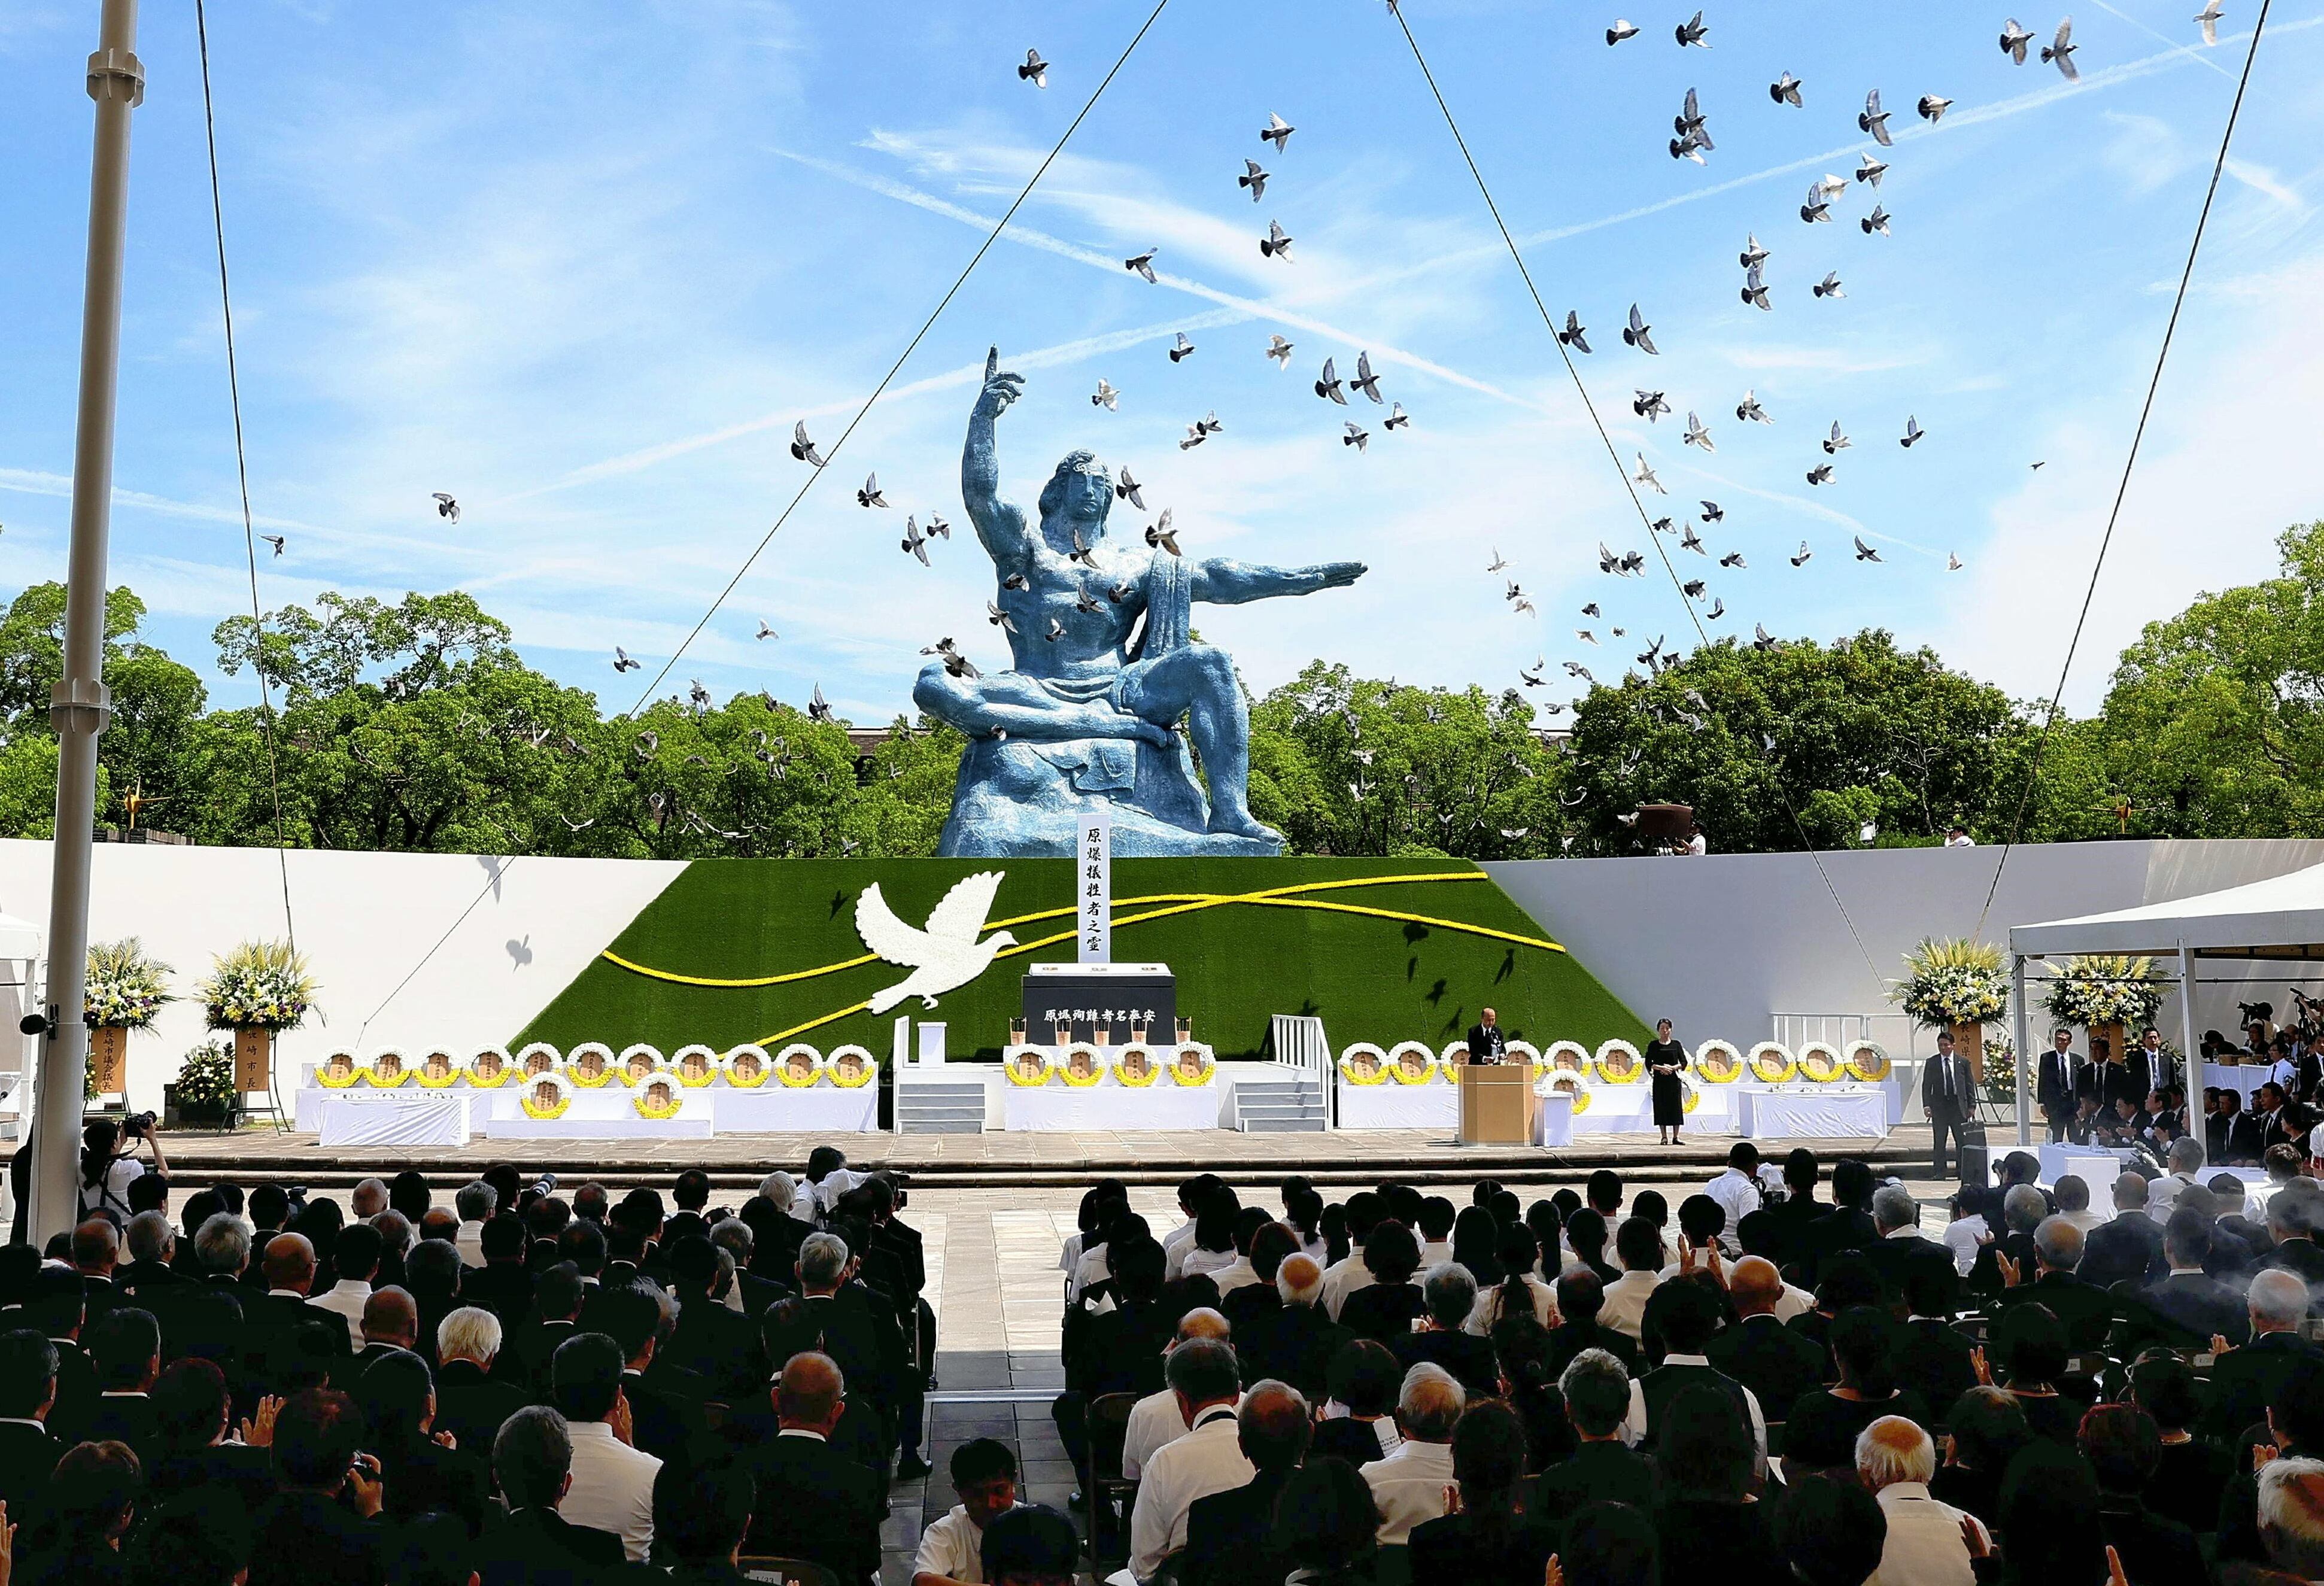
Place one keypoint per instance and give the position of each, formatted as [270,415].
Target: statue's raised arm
[1223,581]
[1000,524]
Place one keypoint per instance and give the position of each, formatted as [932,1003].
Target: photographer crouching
[109,1163]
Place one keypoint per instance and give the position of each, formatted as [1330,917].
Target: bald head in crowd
[1202,1323]
[391,1316]
[1755,1286]
[1299,1280]
[811,1394]
[1430,1405]
[290,1263]
[1273,1425]
[2278,1301]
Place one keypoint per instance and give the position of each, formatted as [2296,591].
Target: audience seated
[1229,1534]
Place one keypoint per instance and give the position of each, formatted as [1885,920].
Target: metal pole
[2190,1073]
[2017,1014]
[80,706]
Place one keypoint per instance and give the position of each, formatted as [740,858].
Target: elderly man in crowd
[1228,1534]
[1928,1541]
[2129,1248]
[2083,1309]
[612,1482]
[476,1204]
[2291,1516]
[1203,1380]
[1160,1419]
[2245,1381]
[1408,1486]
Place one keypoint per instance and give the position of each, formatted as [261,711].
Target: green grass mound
[1364,957]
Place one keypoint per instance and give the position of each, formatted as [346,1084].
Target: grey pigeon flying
[276,541]
[1754,289]
[1784,90]
[1837,441]
[1753,254]
[1713,513]
[1252,177]
[1160,533]
[1056,630]
[697,694]
[1664,524]
[1607,562]
[1279,350]
[914,544]
[1952,563]
[1828,287]
[1693,588]
[1870,170]
[1622,30]
[1329,384]
[2059,51]
[937,528]
[1276,244]
[1535,677]
[1875,223]
[1763,641]
[1591,610]
[1585,635]
[870,496]
[1356,436]
[1497,563]
[1649,405]
[1821,473]
[818,709]
[1365,381]
[1014,581]
[1142,263]
[2209,17]
[2013,40]
[1397,418]
[1646,476]
[802,448]
[1818,209]
[1697,435]
[1733,558]
[1636,332]
[1277,130]
[1690,540]
[1693,31]
[1105,397]
[1035,71]
[1082,552]
[445,507]
[766,630]
[1749,409]
[1934,107]
[1128,489]
[1576,335]
[999,618]
[1183,348]
[622,661]
[1086,601]
[1801,560]
[1875,120]
[1865,553]
[1913,431]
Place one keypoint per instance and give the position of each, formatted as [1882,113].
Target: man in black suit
[1849,1225]
[471,1403]
[1486,1043]
[1775,1363]
[2189,1308]
[740,1242]
[2219,1123]
[502,1285]
[2083,1309]
[1601,1469]
[390,1326]
[1581,1296]
[715,1344]
[1947,1096]
[813,1503]
[532,1544]
[2023,1208]
[1450,1295]
[2247,1134]
[153,1254]
[776,1233]
[2129,1248]
[1293,1343]
[859,1330]
[126,1348]
[1931,1357]
[557,1299]
[2293,1216]
[1901,1247]
[1780,1231]
[28,1390]
[1228,1534]
[2245,1381]
[321,1524]
[2054,1083]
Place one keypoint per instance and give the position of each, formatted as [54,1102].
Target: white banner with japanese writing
[1093,885]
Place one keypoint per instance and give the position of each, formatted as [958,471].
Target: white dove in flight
[944,956]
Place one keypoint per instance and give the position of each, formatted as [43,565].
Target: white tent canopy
[2281,916]
[19,938]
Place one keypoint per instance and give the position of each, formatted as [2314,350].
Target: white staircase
[1292,1102]
[940,1107]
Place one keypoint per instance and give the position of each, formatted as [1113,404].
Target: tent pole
[2017,1014]
[2189,1073]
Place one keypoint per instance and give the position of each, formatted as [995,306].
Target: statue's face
[1083,499]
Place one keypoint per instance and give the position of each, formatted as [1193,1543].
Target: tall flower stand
[254,1075]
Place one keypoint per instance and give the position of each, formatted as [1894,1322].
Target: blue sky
[583,265]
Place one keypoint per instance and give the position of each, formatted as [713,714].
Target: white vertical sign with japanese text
[1094,884]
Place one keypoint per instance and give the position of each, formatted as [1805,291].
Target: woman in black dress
[1664,1059]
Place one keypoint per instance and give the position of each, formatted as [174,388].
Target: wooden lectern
[1497,1104]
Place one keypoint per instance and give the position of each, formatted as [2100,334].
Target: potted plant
[126,990]
[257,990]
[203,1091]
[1955,985]
[2107,993]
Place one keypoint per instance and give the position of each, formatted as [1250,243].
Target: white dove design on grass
[944,956]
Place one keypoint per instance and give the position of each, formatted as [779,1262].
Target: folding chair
[1107,1421]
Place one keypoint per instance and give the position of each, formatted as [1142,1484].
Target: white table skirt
[2242,1078]
[422,1117]
[572,1128]
[1552,1121]
[1822,1113]
[773,1109]
[2093,1165]
[1395,1106]
[1160,1105]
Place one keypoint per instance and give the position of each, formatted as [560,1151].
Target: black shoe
[911,1468]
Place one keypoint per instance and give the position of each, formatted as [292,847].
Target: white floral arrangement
[1690,1095]
[644,1105]
[1526,1053]
[1407,1073]
[1772,1062]
[1204,1067]
[588,1065]
[446,1078]
[1089,1053]
[539,1058]
[1364,1064]
[706,1059]
[1570,1083]
[1718,1063]
[1029,1067]
[788,1070]
[1149,1066]
[1568,1057]
[1867,1060]
[488,1069]
[385,1070]
[561,1096]
[746,1067]
[866,1067]
[349,1068]
[638,1065]
[1820,1063]
[1618,1063]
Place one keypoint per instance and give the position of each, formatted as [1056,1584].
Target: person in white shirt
[355,1254]
[1957,838]
[952,1549]
[1408,1486]
[1192,1196]
[1208,1458]
[1926,1543]
[368,1200]
[612,1482]
[1437,1217]
[1158,1419]
[1737,1191]
[1638,1246]
[476,1204]
[2185,1160]
[2073,1192]
[1344,1277]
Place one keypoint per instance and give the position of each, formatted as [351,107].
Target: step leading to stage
[1279,1106]
[933,1107]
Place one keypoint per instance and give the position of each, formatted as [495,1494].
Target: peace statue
[1089,714]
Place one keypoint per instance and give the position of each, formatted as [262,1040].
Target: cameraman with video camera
[109,1164]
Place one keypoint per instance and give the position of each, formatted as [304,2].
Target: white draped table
[775,1109]
[1434,1105]
[389,1118]
[1821,1112]
[1055,1107]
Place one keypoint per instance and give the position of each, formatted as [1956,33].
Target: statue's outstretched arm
[1223,581]
[998,525]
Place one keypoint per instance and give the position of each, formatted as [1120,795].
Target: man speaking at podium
[1486,1042]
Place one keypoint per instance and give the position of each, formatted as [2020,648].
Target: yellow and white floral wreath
[867,1067]
[1820,1062]
[539,1058]
[646,1060]
[784,1062]
[747,1066]
[1633,1068]
[1024,1075]
[1096,1065]
[1772,1062]
[560,1090]
[1179,1054]
[451,1071]
[1867,1060]
[1136,1082]
[1572,1083]
[1351,1071]
[1403,1073]
[1565,1058]
[354,1076]
[574,1072]
[1718,1063]
[711,1063]
[398,1071]
[489,1069]
[644,1106]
